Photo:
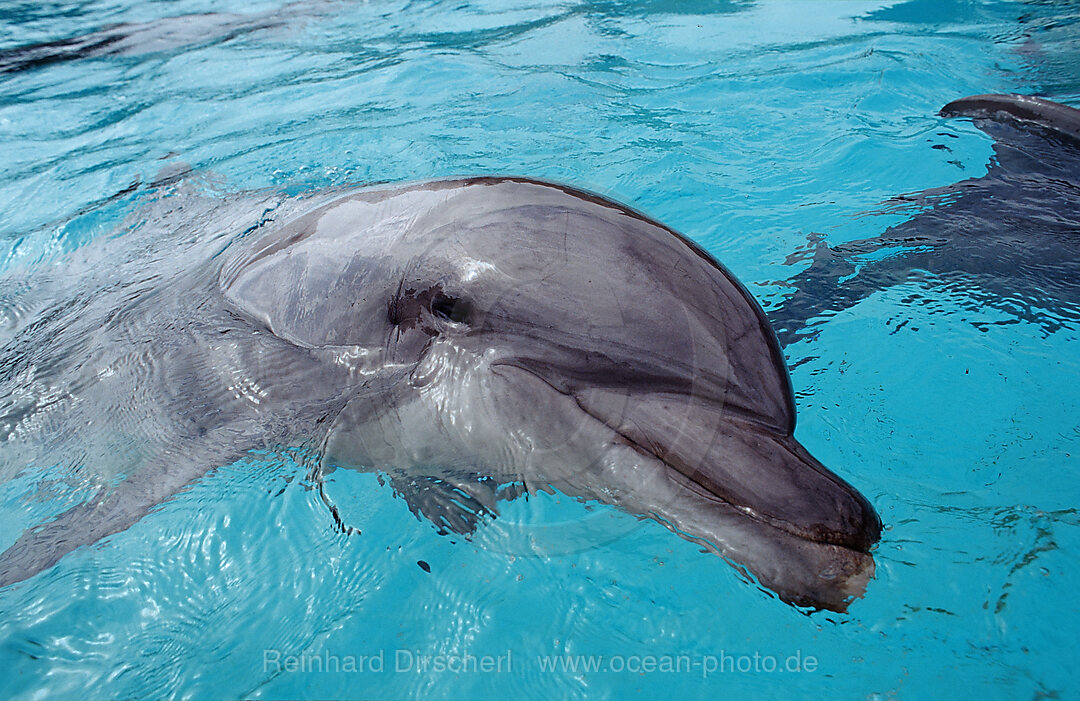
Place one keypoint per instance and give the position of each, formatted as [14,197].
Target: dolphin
[1009,240]
[469,340]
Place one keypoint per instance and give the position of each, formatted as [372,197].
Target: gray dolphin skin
[1008,240]
[470,340]
[1029,109]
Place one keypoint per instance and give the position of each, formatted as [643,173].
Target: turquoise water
[749,126]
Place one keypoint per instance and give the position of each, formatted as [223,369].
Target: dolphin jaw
[811,534]
[801,571]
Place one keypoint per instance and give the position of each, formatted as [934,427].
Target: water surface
[749,126]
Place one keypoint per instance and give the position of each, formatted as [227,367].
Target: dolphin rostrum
[469,339]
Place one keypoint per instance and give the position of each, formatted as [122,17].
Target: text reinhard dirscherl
[404,661]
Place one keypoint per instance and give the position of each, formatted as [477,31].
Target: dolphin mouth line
[756,516]
[819,536]
[814,534]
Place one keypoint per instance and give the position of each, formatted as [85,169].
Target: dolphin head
[538,334]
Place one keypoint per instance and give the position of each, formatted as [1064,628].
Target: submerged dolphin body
[458,336]
[1009,240]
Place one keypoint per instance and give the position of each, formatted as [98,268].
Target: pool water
[751,127]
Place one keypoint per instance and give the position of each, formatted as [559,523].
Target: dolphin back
[1029,109]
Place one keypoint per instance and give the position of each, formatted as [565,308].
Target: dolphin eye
[450,308]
